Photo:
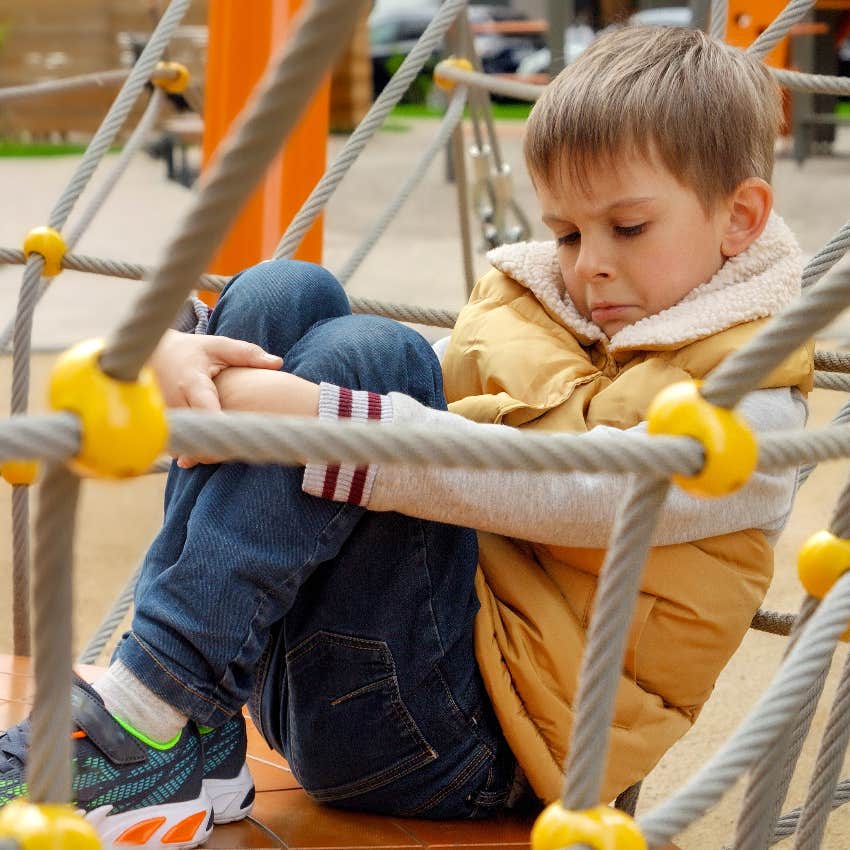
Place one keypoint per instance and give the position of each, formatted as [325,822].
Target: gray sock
[127,699]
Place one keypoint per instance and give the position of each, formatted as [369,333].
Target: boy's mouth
[602,313]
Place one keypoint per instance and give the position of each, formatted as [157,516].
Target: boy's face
[633,241]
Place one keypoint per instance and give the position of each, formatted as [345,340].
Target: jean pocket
[349,730]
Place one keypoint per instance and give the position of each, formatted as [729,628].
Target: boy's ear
[749,207]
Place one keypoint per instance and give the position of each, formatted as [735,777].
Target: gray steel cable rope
[827,770]
[49,758]
[435,316]
[794,12]
[718,19]
[281,95]
[118,112]
[827,257]
[113,618]
[20,572]
[771,775]
[30,286]
[99,79]
[602,660]
[453,115]
[133,144]
[787,824]
[838,381]
[255,438]
[744,369]
[815,83]
[782,699]
[796,80]
[493,84]
[20,494]
[374,118]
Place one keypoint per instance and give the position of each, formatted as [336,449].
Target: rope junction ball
[46,826]
[177,79]
[444,83]
[50,244]
[823,559]
[731,451]
[19,472]
[124,424]
[602,828]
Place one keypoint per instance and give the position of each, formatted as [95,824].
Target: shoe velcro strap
[115,742]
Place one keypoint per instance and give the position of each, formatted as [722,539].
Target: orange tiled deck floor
[284,816]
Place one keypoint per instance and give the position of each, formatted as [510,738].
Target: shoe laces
[14,744]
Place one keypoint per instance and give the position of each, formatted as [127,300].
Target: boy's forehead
[605,182]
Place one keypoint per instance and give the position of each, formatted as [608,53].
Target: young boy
[401,662]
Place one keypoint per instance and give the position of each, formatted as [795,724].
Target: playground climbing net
[78,438]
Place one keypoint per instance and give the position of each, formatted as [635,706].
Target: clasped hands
[217,373]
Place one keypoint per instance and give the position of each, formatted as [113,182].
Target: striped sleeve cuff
[346,482]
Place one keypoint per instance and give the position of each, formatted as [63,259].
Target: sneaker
[132,791]
[227,779]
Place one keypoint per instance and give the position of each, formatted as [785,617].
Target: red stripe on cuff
[345,402]
[329,488]
[358,482]
[374,406]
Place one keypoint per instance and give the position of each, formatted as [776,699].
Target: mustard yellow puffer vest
[512,361]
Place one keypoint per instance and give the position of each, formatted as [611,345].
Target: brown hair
[709,111]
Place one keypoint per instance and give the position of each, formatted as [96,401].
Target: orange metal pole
[242,37]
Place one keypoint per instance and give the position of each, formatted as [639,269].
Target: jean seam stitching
[184,687]
[458,780]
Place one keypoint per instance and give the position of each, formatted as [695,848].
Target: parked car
[503,38]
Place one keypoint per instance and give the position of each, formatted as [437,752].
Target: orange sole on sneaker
[178,826]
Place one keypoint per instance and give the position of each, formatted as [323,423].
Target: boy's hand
[185,365]
[261,391]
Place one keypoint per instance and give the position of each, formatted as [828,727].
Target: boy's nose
[591,263]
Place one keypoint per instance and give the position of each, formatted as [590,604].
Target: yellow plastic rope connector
[46,826]
[50,244]
[823,559]
[731,451]
[19,472]
[445,83]
[176,85]
[124,425]
[602,828]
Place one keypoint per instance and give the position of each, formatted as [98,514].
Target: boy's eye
[568,239]
[634,230]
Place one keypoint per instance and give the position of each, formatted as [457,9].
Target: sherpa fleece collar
[758,282]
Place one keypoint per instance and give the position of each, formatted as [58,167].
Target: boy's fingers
[237,352]
[201,394]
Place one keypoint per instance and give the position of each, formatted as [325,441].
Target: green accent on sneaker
[157,745]
[205,730]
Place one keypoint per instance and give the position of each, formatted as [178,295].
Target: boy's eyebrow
[551,218]
[628,202]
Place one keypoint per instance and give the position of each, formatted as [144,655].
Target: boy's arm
[265,391]
[568,509]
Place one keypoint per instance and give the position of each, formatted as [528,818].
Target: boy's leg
[234,564]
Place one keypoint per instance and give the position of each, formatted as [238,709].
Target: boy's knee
[373,353]
[281,291]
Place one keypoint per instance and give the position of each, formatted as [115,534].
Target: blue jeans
[347,632]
